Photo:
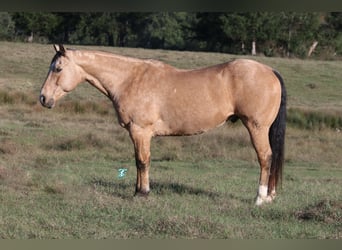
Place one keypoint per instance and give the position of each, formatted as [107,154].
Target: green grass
[59,168]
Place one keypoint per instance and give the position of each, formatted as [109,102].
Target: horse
[152,98]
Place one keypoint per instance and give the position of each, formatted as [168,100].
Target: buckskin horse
[152,98]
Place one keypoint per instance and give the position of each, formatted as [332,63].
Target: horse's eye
[54,68]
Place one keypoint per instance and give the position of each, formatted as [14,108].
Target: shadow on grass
[121,189]
[164,188]
[125,190]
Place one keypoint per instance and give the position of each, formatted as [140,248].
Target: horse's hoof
[142,194]
[261,200]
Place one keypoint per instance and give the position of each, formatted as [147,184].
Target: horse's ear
[59,49]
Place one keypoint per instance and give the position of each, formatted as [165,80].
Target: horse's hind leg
[260,140]
[142,141]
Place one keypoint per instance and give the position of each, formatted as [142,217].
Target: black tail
[277,135]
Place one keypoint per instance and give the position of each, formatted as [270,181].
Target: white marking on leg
[262,195]
[263,190]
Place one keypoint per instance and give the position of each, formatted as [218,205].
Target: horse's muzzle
[46,103]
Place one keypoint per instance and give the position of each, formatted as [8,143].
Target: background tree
[94,28]
[6,26]
[273,33]
[164,30]
[331,33]
[208,31]
[234,28]
[298,32]
[41,25]
[67,26]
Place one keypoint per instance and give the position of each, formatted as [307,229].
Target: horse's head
[63,76]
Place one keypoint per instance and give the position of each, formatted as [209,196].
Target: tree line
[288,34]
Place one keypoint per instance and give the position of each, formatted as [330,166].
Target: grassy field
[59,169]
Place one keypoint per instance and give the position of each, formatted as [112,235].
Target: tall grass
[16,97]
[308,119]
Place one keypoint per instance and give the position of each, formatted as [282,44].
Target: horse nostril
[47,103]
[42,99]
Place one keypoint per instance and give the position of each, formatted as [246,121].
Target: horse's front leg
[142,141]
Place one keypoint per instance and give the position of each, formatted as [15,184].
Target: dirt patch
[7,147]
[326,211]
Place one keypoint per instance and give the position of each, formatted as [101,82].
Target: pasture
[59,169]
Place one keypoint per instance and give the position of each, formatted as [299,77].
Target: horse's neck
[107,72]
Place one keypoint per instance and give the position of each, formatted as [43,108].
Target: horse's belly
[190,123]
